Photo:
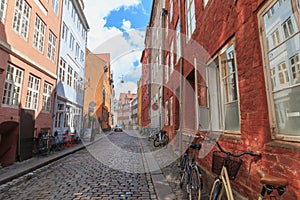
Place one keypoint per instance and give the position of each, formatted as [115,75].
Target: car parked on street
[118,128]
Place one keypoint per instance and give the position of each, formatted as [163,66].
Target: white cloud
[96,11]
[126,25]
[125,48]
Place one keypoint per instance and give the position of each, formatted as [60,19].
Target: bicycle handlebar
[251,153]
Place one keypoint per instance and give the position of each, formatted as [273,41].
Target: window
[12,86]
[69,76]
[55,4]
[75,80]
[282,71]
[171,10]
[59,115]
[288,28]
[166,113]
[205,2]
[77,50]
[39,34]
[81,56]
[21,18]
[3,4]
[295,66]
[172,57]
[67,117]
[190,18]
[178,41]
[62,70]
[167,69]
[171,111]
[47,95]
[51,46]
[230,89]
[72,41]
[65,32]
[32,96]
[275,38]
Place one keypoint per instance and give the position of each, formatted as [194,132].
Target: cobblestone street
[81,176]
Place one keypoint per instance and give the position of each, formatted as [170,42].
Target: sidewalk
[21,168]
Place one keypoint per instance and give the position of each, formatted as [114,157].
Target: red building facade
[29,36]
[145,83]
[239,62]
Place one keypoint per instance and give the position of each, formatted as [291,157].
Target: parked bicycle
[226,165]
[152,134]
[190,173]
[161,139]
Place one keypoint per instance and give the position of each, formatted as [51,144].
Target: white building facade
[71,68]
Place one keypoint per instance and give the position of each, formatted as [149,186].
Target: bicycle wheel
[217,189]
[165,139]
[183,171]
[156,142]
[195,184]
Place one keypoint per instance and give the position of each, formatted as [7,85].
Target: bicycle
[152,134]
[190,173]
[161,139]
[226,165]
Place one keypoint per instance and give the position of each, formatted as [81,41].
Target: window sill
[284,144]
[230,136]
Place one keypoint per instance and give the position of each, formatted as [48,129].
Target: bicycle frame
[225,185]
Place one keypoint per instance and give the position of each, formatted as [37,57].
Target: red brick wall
[219,22]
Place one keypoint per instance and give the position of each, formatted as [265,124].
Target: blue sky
[138,16]
[118,27]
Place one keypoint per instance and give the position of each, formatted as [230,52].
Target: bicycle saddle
[274,181]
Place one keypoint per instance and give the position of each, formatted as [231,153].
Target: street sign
[92,104]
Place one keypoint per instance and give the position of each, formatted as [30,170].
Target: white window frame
[55,5]
[3,6]
[39,34]
[65,32]
[69,76]
[172,56]
[51,46]
[59,115]
[62,70]
[166,113]
[205,3]
[217,101]
[178,41]
[295,67]
[12,86]
[171,110]
[33,90]
[190,18]
[171,10]
[21,18]
[279,96]
[288,28]
[167,69]
[47,97]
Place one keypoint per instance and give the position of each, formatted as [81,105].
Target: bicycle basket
[233,164]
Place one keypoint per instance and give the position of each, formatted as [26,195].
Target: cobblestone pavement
[82,176]
[172,172]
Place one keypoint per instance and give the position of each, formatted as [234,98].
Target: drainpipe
[181,84]
[164,14]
